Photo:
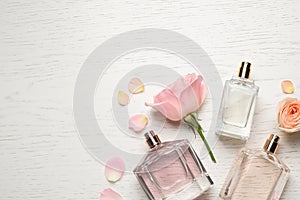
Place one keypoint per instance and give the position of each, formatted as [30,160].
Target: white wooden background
[43,45]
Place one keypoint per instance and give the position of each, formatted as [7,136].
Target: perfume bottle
[237,105]
[171,170]
[256,174]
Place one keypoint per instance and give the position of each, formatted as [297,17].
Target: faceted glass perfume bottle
[171,170]
[237,105]
[256,174]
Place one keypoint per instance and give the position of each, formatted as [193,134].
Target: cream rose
[289,114]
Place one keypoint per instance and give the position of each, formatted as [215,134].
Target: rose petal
[167,103]
[138,122]
[123,98]
[182,97]
[109,194]
[181,84]
[193,96]
[135,86]
[287,87]
[190,78]
[114,169]
[289,130]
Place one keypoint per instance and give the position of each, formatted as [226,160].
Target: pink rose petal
[109,194]
[123,98]
[135,86]
[114,169]
[287,87]
[138,122]
[168,104]
[182,97]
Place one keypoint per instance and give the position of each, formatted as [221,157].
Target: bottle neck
[242,80]
[155,148]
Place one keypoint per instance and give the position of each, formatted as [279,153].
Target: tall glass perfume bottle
[256,174]
[171,170]
[237,105]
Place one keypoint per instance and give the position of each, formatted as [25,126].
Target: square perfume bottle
[171,170]
[237,105]
[256,174]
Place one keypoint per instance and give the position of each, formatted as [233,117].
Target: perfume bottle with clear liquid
[256,174]
[171,170]
[237,105]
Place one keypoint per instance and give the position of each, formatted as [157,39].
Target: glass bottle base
[236,134]
[195,189]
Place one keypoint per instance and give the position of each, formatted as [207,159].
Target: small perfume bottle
[237,105]
[171,170]
[256,174]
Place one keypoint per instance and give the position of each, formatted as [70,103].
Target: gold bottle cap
[271,143]
[245,69]
[152,139]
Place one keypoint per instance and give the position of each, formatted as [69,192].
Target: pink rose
[181,98]
[289,113]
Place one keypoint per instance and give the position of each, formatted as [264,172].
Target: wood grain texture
[43,45]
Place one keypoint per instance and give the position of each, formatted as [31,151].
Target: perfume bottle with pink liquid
[171,170]
[257,174]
